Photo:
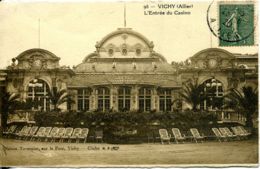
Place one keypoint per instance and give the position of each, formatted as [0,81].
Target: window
[124,95]
[145,99]
[165,99]
[103,99]
[213,89]
[138,52]
[83,99]
[110,52]
[38,95]
[124,51]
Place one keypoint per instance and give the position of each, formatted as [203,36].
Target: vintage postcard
[129,83]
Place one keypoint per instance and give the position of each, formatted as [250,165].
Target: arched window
[165,99]
[145,99]
[213,89]
[110,52]
[124,95]
[83,99]
[138,52]
[38,94]
[103,99]
[124,51]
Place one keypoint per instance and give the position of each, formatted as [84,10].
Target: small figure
[13,65]
[233,21]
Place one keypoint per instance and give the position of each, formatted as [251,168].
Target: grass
[26,153]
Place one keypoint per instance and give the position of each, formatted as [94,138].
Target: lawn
[26,153]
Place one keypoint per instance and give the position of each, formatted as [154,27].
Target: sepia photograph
[129,83]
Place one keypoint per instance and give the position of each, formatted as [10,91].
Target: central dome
[124,42]
[123,50]
[125,33]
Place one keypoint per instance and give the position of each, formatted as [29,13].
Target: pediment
[212,53]
[212,58]
[37,59]
[38,54]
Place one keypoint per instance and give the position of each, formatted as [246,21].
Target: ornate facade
[126,74]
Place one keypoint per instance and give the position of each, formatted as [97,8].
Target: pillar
[114,98]
[74,93]
[93,99]
[154,99]
[134,98]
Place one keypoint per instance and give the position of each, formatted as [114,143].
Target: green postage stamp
[236,24]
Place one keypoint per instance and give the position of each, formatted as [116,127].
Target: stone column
[157,102]
[113,98]
[74,93]
[134,98]
[154,99]
[174,96]
[24,90]
[93,99]
[53,81]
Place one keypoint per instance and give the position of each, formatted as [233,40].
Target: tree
[10,103]
[244,101]
[58,97]
[192,93]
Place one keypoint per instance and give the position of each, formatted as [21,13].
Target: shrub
[46,118]
[186,119]
[117,125]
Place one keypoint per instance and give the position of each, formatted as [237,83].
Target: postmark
[232,22]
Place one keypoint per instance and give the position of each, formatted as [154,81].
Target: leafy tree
[10,103]
[58,97]
[244,101]
[192,93]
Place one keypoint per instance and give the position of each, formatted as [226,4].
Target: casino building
[126,74]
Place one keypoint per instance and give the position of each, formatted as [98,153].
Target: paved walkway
[26,153]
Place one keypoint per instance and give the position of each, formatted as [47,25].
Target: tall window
[83,99]
[165,99]
[213,89]
[38,95]
[124,95]
[103,99]
[145,99]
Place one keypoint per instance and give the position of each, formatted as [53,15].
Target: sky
[71,30]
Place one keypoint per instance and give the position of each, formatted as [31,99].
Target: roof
[48,54]
[246,56]
[133,66]
[124,50]
[161,80]
[124,31]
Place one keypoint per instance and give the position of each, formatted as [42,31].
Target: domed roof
[37,51]
[124,50]
[37,58]
[124,33]
[123,43]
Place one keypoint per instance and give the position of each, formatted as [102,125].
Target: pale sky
[70,30]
